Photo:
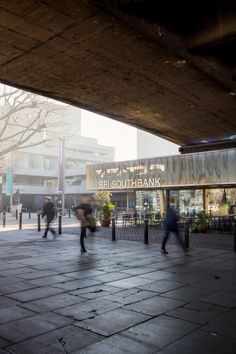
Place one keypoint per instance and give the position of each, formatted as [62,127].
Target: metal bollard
[186,235]
[146,231]
[59,223]
[235,237]
[16,214]
[39,222]
[4,219]
[69,212]
[113,230]
[20,221]
[29,214]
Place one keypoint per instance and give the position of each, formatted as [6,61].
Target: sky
[112,133]
[124,138]
[119,135]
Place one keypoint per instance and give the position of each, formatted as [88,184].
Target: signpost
[61,173]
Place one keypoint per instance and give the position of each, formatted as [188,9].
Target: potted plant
[200,223]
[104,206]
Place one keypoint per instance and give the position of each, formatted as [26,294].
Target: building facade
[35,169]
[192,182]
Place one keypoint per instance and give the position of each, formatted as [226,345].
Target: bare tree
[25,120]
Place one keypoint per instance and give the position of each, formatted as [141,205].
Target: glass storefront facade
[220,201]
[187,201]
[191,182]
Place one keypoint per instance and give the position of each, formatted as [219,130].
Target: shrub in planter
[104,206]
[200,223]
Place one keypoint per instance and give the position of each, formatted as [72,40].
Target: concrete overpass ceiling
[166,67]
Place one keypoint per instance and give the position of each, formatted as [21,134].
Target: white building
[35,169]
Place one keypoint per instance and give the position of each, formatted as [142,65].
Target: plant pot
[203,230]
[106,223]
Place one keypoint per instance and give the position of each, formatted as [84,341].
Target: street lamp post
[61,173]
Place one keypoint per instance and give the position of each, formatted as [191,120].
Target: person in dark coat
[84,213]
[49,212]
[172,226]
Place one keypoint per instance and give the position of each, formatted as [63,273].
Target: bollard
[16,214]
[29,214]
[4,219]
[113,230]
[20,221]
[186,234]
[69,212]
[39,222]
[146,231]
[59,223]
[235,237]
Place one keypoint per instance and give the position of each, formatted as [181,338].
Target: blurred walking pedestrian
[49,212]
[84,213]
[172,226]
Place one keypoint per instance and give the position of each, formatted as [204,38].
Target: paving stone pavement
[120,297]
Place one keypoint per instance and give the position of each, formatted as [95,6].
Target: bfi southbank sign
[130,183]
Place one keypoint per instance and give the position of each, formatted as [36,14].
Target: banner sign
[9,182]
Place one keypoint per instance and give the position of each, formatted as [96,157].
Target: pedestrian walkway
[121,297]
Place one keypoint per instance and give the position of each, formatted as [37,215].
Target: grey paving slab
[200,342]
[23,329]
[86,273]
[138,270]
[131,282]
[141,271]
[198,312]
[96,291]
[76,284]
[112,322]
[213,283]
[68,339]
[118,344]
[187,293]
[130,296]
[110,277]
[157,275]
[224,325]
[162,286]
[160,331]
[155,305]
[35,293]
[15,287]
[3,343]
[37,274]
[16,271]
[14,313]
[9,280]
[5,302]
[231,288]
[52,303]
[53,279]
[88,309]
[222,298]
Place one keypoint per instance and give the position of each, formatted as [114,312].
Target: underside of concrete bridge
[168,67]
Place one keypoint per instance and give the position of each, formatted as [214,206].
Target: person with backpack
[84,213]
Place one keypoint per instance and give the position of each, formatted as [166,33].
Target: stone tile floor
[120,297]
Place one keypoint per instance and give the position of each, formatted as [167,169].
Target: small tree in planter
[105,207]
[200,223]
